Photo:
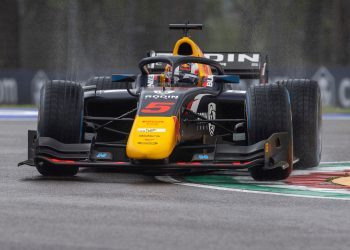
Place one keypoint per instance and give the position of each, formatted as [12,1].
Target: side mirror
[126,79]
[226,79]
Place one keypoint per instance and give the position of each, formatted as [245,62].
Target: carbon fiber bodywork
[271,153]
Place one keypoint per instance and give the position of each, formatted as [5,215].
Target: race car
[179,114]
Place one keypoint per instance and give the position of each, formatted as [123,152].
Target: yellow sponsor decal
[152,138]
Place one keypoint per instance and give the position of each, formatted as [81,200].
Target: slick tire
[307,121]
[268,112]
[60,117]
[104,83]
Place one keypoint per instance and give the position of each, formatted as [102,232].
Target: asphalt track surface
[104,210]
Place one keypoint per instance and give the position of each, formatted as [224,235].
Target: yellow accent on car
[196,51]
[152,138]
[204,70]
[266,147]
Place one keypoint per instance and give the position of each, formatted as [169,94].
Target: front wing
[271,153]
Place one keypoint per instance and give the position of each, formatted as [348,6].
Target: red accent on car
[237,163]
[55,160]
[188,163]
[157,107]
[177,127]
[181,163]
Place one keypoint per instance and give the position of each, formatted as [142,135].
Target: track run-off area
[328,181]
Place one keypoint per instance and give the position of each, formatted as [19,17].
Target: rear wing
[245,65]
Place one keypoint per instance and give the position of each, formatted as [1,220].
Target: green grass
[17,106]
[330,109]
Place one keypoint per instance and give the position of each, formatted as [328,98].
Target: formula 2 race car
[179,114]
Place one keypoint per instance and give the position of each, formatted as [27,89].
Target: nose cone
[152,138]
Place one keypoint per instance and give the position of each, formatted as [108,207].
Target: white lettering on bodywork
[211,116]
[166,97]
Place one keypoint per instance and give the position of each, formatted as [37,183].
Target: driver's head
[187,74]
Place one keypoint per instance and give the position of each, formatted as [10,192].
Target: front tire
[60,117]
[268,112]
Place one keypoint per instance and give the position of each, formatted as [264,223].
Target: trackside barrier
[23,87]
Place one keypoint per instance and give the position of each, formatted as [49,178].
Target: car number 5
[157,107]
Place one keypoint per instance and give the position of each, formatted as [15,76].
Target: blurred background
[77,39]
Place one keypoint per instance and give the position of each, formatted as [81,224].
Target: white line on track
[335,162]
[336,117]
[13,113]
[169,179]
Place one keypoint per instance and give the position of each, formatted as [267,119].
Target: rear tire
[268,112]
[60,117]
[104,83]
[307,121]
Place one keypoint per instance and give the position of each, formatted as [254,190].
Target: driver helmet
[186,74]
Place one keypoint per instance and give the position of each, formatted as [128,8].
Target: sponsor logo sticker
[150,81]
[165,97]
[151,130]
[104,155]
[159,92]
[211,116]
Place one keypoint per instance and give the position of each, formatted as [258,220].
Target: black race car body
[157,121]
